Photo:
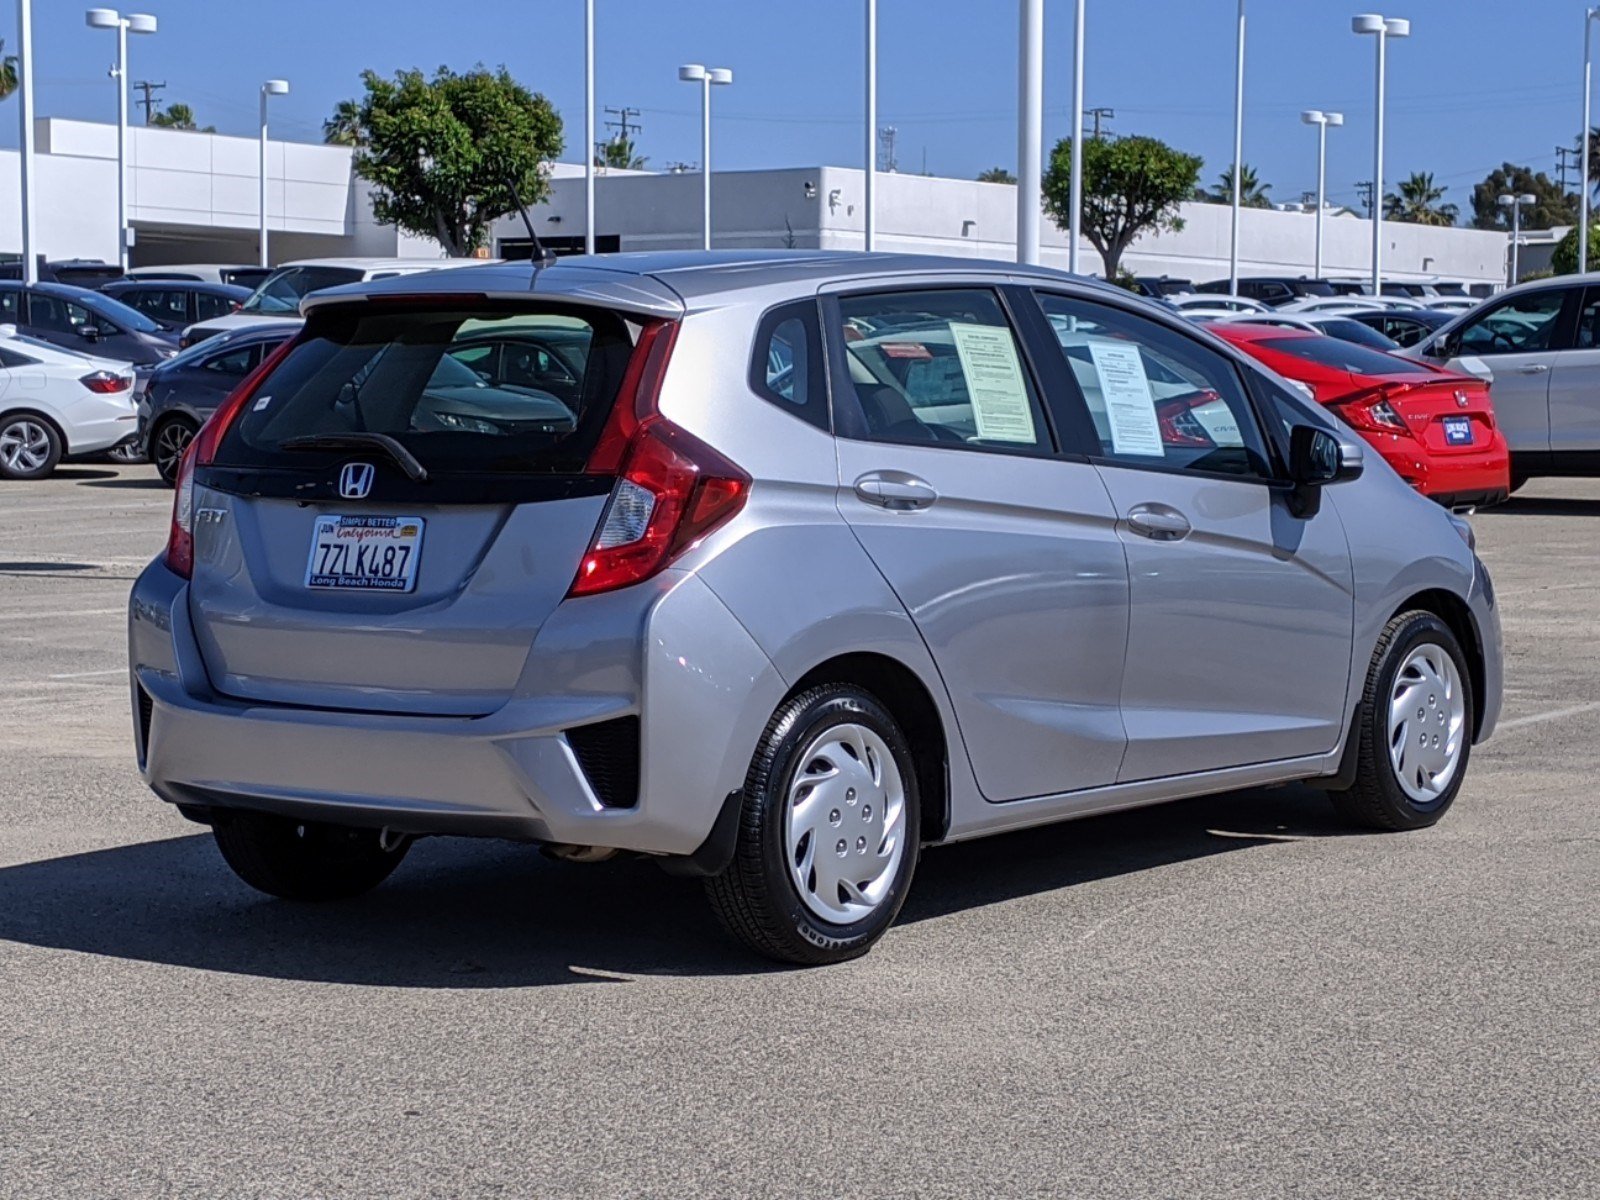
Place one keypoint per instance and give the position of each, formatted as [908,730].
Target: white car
[1212,303]
[278,298]
[55,402]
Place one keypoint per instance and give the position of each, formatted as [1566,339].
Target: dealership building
[193,198]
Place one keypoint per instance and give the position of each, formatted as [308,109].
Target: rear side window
[159,304]
[397,372]
[787,365]
[236,362]
[939,367]
[207,306]
[1344,356]
[10,358]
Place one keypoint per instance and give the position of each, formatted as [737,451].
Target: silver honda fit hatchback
[778,567]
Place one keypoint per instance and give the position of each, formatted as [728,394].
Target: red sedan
[1436,428]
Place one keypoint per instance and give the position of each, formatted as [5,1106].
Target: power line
[1096,114]
[622,124]
[149,98]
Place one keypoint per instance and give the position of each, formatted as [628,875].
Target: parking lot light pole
[1238,156]
[705,77]
[272,87]
[588,127]
[1322,120]
[1075,221]
[1383,28]
[110,18]
[1516,204]
[1589,19]
[1030,126]
[30,266]
[869,225]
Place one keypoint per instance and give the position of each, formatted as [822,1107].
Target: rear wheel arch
[1453,611]
[909,700]
[37,415]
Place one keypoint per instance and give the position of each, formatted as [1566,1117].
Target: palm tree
[1252,192]
[996,175]
[618,152]
[1416,200]
[8,71]
[344,127]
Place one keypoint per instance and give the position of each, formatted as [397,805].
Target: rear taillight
[1373,411]
[106,383]
[180,538]
[672,489]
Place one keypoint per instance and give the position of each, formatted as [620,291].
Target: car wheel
[828,834]
[300,860]
[30,448]
[127,453]
[1415,724]
[168,441]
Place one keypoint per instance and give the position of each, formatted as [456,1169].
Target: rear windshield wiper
[407,461]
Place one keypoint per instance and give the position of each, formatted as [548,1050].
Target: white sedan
[55,402]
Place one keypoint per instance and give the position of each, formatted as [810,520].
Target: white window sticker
[1130,408]
[995,383]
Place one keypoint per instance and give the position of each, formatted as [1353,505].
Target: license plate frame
[364,553]
[1457,431]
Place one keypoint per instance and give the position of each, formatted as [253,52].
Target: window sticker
[995,383]
[1130,408]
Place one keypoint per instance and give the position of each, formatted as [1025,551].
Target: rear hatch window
[482,395]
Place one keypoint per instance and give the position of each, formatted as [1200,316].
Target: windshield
[118,313]
[1344,356]
[472,392]
[282,291]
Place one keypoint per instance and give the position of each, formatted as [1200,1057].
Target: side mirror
[1445,347]
[89,333]
[1317,457]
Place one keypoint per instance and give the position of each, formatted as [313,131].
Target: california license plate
[1458,431]
[365,553]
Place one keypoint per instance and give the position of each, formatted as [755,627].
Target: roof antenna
[538,252]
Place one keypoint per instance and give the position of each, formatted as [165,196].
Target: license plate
[377,554]
[1458,431]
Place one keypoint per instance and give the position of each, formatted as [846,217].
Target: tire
[167,441]
[863,791]
[128,454]
[30,447]
[298,860]
[1417,660]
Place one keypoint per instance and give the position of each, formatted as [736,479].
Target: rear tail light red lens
[106,383]
[180,537]
[1178,423]
[1373,411]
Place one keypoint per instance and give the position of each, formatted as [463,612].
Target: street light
[1030,126]
[1075,222]
[1589,19]
[1516,204]
[705,77]
[30,267]
[588,128]
[869,224]
[110,18]
[1238,156]
[272,87]
[1322,120]
[1384,28]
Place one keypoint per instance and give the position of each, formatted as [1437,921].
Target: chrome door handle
[895,490]
[1159,521]
[1534,368]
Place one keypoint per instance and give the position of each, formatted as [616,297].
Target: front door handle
[1161,522]
[1534,368]
[896,490]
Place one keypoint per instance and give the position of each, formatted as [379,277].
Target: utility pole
[1364,187]
[625,125]
[1096,115]
[888,162]
[1563,164]
[149,98]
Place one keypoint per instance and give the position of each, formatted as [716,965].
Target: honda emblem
[355,480]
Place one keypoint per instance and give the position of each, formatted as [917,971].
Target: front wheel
[1415,727]
[300,860]
[828,835]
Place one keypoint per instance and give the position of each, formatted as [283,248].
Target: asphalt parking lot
[1228,997]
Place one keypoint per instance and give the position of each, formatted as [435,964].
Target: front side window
[941,368]
[234,363]
[1156,398]
[207,306]
[1524,325]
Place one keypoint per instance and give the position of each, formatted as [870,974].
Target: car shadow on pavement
[152,484]
[80,474]
[1547,506]
[462,913]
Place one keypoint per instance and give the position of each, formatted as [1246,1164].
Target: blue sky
[1478,82]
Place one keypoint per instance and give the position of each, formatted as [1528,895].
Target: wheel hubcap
[24,445]
[172,441]
[1427,723]
[844,825]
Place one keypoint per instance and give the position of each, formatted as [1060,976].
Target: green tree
[1417,201]
[1252,192]
[1564,258]
[178,116]
[619,152]
[996,175]
[1552,206]
[1131,185]
[343,128]
[442,153]
[8,71]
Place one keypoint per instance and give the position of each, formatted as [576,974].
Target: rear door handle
[896,490]
[1161,522]
[1534,368]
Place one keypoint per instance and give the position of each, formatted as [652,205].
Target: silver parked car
[779,567]
[1540,343]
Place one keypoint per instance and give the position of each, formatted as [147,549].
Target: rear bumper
[1478,477]
[667,651]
